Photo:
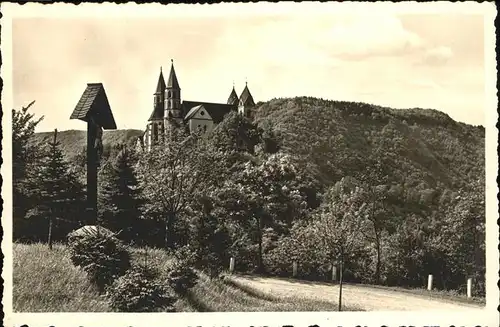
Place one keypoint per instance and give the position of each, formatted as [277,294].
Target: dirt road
[368,298]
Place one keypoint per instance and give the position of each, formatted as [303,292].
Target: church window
[169,94]
[202,113]
[155,132]
[205,128]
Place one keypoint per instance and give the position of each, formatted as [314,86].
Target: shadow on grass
[196,303]
[249,290]
[291,280]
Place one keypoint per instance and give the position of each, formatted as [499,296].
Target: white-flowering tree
[173,175]
[339,225]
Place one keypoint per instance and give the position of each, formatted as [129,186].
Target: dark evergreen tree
[119,197]
[55,194]
[24,155]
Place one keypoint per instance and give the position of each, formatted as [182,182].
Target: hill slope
[73,141]
[417,147]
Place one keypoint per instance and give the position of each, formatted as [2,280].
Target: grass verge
[226,295]
[47,281]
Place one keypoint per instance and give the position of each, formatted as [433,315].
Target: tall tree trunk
[169,231]
[340,281]
[49,238]
[377,269]
[260,266]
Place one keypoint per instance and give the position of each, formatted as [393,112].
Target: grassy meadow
[47,281]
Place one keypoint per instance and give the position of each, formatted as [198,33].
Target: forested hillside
[425,176]
[73,141]
[393,195]
[418,148]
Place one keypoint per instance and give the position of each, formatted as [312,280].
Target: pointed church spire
[172,79]
[160,87]
[233,97]
[246,98]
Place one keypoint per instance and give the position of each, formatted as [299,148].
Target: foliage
[171,176]
[23,129]
[181,276]
[210,241]
[266,194]
[119,197]
[412,165]
[24,157]
[56,196]
[235,133]
[419,173]
[141,289]
[100,254]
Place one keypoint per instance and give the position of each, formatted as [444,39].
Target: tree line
[253,190]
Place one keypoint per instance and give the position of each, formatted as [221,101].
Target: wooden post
[91,172]
[51,213]
[93,108]
[231,265]
[469,287]
[294,269]
[340,285]
[334,273]
[429,283]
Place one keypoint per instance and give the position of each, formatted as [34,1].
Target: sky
[388,58]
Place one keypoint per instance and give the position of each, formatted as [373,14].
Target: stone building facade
[170,111]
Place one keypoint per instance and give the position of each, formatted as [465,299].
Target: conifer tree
[24,156]
[119,196]
[54,191]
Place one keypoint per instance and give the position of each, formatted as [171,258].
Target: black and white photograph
[315,158]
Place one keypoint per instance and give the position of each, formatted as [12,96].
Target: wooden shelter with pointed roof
[94,103]
[93,108]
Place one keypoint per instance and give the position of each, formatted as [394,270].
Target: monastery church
[169,110]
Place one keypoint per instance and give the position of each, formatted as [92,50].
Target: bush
[181,276]
[140,290]
[210,243]
[100,254]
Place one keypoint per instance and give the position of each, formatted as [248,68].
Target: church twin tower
[195,115]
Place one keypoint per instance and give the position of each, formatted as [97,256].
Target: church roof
[216,110]
[172,79]
[193,111]
[157,113]
[160,88]
[94,102]
[246,97]
[233,97]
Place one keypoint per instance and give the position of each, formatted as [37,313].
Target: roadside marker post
[231,265]
[294,269]
[429,283]
[334,273]
[469,287]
